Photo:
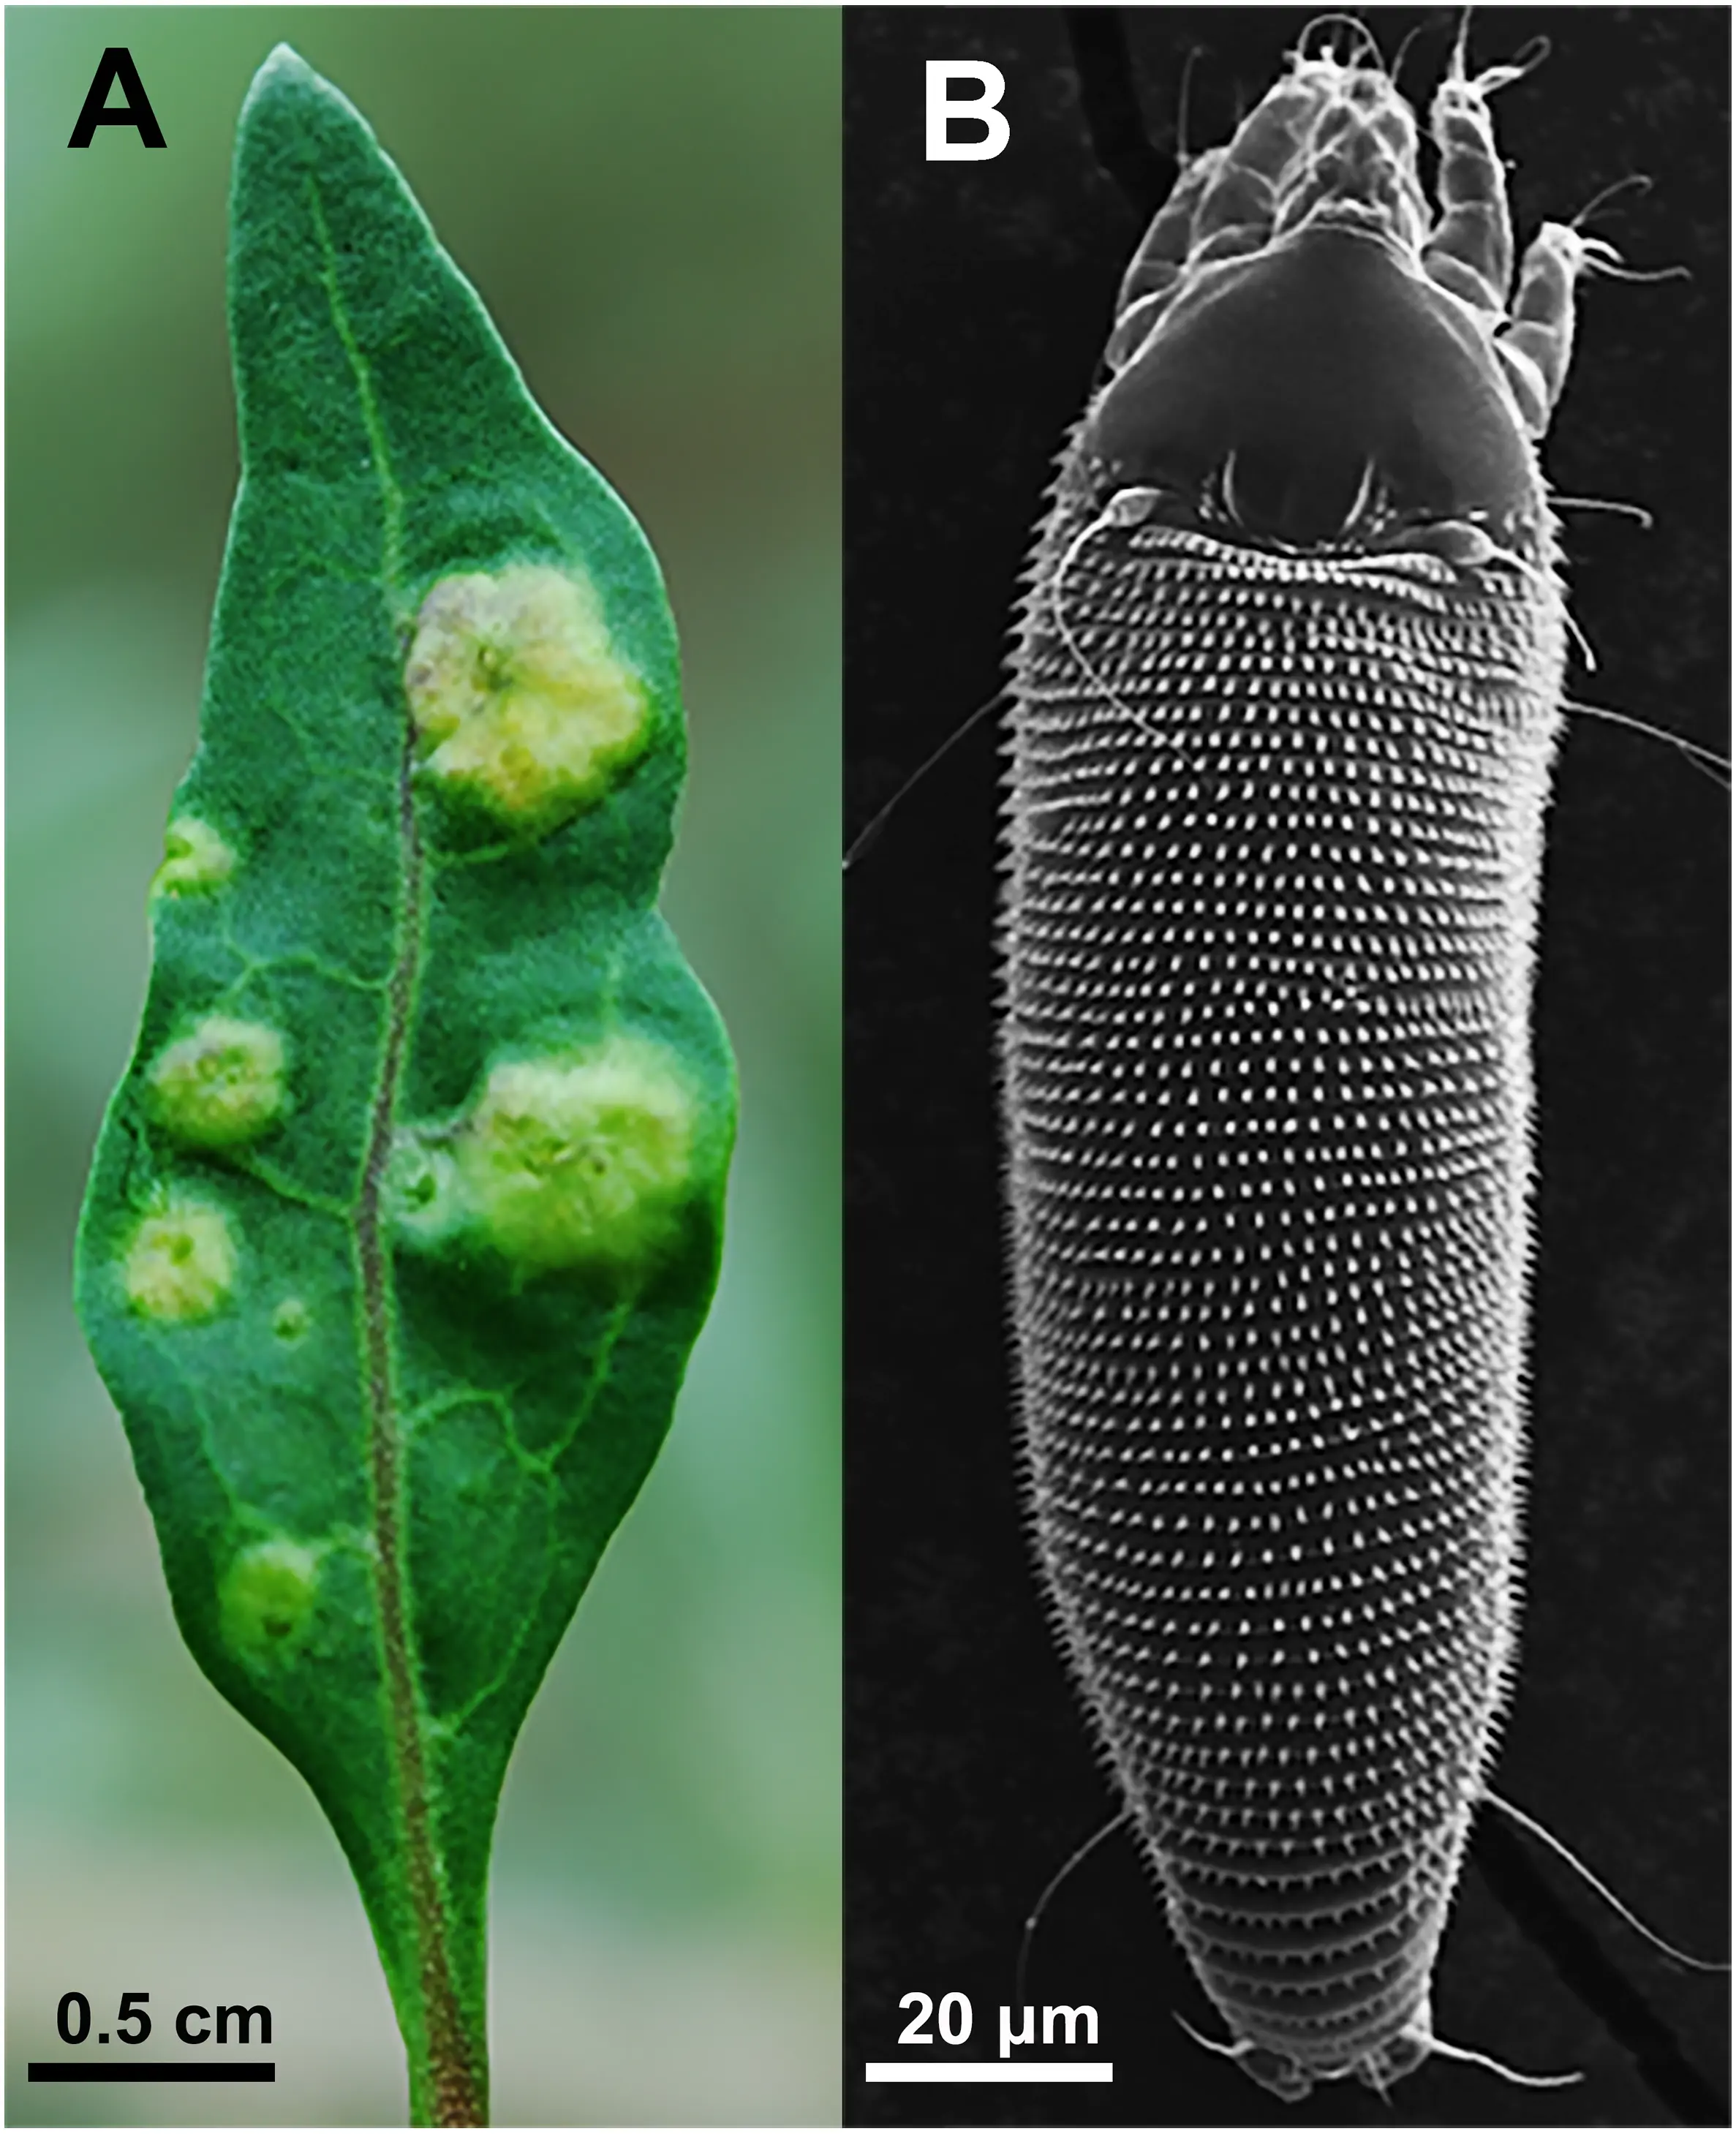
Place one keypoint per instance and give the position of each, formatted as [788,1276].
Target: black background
[978,297]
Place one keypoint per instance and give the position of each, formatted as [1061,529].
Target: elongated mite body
[1287,692]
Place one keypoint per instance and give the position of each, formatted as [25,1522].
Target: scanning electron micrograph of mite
[1287,1079]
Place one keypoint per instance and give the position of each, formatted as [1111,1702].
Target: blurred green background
[648,200]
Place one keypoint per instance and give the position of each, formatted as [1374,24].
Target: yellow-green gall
[422,1189]
[266,1597]
[194,857]
[291,1319]
[180,1264]
[220,1086]
[583,1159]
[518,698]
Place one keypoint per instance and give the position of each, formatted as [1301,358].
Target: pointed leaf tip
[282,71]
[285,73]
[283,62]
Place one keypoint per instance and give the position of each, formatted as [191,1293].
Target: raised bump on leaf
[181,1263]
[221,1085]
[266,1597]
[581,1159]
[291,1319]
[518,695]
[194,857]
[422,1189]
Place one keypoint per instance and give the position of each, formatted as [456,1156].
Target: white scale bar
[990,2070]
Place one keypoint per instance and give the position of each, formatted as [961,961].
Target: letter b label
[991,87]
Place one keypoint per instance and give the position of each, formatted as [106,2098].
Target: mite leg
[1536,345]
[1470,250]
[1240,209]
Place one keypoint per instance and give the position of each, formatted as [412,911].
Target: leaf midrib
[453,2055]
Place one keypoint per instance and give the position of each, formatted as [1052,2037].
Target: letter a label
[116,66]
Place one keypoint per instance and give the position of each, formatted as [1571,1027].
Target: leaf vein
[455,2056]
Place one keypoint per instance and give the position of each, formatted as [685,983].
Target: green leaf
[407,1211]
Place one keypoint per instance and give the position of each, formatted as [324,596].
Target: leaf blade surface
[407,1211]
